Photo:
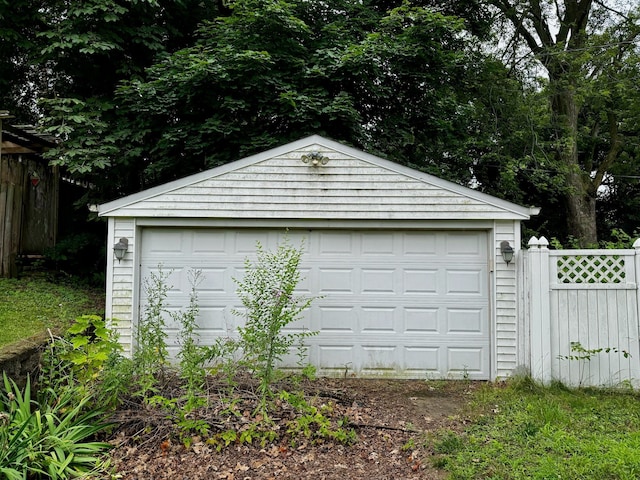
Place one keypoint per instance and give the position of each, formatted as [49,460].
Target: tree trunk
[580,197]
[581,216]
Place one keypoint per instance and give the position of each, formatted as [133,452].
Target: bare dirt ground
[391,419]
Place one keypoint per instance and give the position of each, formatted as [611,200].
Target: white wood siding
[285,187]
[506,331]
[120,280]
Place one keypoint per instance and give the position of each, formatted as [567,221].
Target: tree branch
[614,149]
[613,10]
[517,20]
[541,24]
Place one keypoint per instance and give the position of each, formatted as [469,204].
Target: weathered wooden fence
[581,314]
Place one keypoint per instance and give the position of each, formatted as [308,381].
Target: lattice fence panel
[591,269]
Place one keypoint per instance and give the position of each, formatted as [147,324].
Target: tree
[588,52]
[400,83]
[20,80]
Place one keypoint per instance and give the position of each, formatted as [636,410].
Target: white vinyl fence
[581,314]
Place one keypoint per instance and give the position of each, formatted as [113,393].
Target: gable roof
[278,184]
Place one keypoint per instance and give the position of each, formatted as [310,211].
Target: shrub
[48,440]
[267,293]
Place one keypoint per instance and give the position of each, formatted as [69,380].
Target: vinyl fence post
[539,313]
[636,264]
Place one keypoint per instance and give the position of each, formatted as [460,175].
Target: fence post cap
[533,242]
[636,244]
[543,242]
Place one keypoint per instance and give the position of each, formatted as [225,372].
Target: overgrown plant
[267,293]
[150,356]
[93,344]
[87,360]
[192,356]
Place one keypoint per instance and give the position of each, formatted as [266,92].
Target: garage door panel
[468,321]
[466,282]
[175,278]
[243,244]
[210,243]
[410,302]
[211,319]
[304,286]
[464,244]
[419,244]
[422,359]
[165,242]
[421,320]
[336,319]
[213,281]
[468,360]
[420,281]
[378,244]
[379,358]
[378,280]
[336,356]
[335,243]
[378,320]
[336,281]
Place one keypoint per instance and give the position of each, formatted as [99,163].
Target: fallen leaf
[241,468]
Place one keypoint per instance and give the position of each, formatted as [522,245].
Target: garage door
[399,303]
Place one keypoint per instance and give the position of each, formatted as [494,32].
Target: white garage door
[400,303]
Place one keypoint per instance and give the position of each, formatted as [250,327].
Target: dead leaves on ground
[394,450]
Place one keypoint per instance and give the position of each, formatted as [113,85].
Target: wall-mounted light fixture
[315,159]
[507,251]
[120,248]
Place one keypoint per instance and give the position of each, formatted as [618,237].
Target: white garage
[407,267]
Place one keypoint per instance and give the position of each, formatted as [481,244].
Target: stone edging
[22,358]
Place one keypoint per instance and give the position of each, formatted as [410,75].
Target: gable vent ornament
[315,159]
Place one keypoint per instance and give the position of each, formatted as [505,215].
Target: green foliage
[619,239]
[267,293]
[268,72]
[313,423]
[524,430]
[578,352]
[87,361]
[253,432]
[193,356]
[150,356]
[48,440]
[93,342]
[581,355]
[81,254]
[590,68]
[616,239]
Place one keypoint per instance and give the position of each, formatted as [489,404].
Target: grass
[30,305]
[523,430]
